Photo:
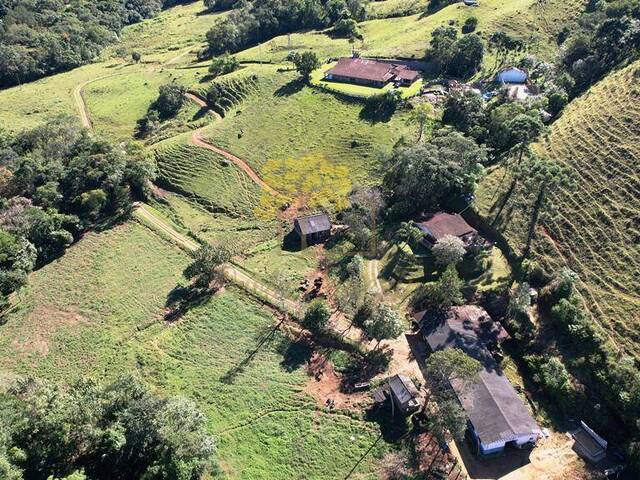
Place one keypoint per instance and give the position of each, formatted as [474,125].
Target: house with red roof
[374,73]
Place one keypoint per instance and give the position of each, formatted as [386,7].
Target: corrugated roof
[372,70]
[492,404]
[403,388]
[313,223]
[442,224]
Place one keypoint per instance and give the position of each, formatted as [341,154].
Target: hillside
[595,228]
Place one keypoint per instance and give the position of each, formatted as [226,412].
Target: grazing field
[207,177]
[408,36]
[594,229]
[164,40]
[117,103]
[79,317]
[303,121]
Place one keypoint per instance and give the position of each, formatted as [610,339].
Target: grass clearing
[593,229]
[79,316]
[303,122]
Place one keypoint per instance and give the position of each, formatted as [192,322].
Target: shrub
[449,250]
[317,316]
[557,102]
[551,374]
[223,65]
[470,25]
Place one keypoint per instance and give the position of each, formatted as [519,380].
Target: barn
[312,229]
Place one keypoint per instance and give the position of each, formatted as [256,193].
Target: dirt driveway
[552,459]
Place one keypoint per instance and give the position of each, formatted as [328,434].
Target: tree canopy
[119,430]
[426,176]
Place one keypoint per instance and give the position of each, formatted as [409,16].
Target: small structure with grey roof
[404,394]
[440,224]
[312,229]
[497,416]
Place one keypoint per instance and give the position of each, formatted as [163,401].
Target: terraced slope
[302,121]
[206,178]
[595,229]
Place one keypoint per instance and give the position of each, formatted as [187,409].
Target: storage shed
[312,229]
[404,394]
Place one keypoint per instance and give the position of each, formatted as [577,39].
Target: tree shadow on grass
[376,111]
[230,376]
[295,353]
[393,425]
[203,112]
[182,299]
[291,88]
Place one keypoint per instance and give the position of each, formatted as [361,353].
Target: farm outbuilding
[404,394]
[498,418]
[312,229]
[440,224]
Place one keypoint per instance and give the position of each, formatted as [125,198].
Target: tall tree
[444,368]
[370,200]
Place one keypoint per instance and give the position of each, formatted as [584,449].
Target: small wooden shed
[404,394]
[312,229]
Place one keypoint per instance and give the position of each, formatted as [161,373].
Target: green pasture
[303,121]
[590,229]
[98,312]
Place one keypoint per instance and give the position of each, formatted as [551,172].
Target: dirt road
[199,141]
[231,272]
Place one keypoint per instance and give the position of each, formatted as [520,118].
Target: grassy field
[303,121]
[117,103]
[594,228]
[212,181]
[532,20]
[165,40]
[79,316]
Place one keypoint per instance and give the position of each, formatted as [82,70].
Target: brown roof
[442,224]
[373,70]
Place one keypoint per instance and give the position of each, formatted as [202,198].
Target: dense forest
[42,37]
[253,22]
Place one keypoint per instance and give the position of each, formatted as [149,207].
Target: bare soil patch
[324,385]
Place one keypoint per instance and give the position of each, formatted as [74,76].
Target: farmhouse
[404,394]
[371,72]
[312,229]
[498,418]
[440,224]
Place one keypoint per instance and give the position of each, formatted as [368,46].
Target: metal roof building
[313,229]
[497,415]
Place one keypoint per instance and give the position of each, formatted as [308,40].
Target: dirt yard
[552,459]
[324,386]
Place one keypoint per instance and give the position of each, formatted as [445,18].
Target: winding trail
[198,140]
